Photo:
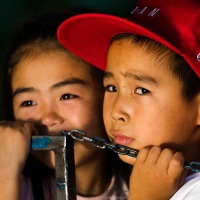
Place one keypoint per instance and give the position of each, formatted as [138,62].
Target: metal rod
[70,167]
[63,147]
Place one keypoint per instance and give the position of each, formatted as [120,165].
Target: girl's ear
[198,104]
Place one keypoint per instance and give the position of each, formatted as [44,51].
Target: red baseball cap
[173,23]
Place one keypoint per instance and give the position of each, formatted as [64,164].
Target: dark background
[13,12]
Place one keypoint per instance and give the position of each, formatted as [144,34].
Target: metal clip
[194,166]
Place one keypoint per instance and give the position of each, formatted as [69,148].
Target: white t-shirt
[117,190]
[190,190]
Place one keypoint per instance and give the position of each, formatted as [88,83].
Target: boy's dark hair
[177,64]
[38,34]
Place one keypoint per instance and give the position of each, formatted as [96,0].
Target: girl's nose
[51,119]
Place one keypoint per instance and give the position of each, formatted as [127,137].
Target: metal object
[64,163]
[64,157]
[120,149]
[101,143]
[194,166]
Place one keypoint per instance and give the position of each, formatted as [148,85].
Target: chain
[101,143]
[117,148]
[194,166]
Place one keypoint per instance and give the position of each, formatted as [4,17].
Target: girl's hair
[38,35]
[177,65]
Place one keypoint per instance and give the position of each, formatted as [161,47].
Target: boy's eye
[141,90]
[111,88]
[28,103]
[67,96]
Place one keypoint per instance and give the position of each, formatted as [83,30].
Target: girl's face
[143,103]
[57,92]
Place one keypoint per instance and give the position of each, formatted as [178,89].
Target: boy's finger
[165,158]
[182,178]
[154,155]
[143,154]
[176,165]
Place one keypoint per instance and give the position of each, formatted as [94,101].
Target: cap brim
[88,35]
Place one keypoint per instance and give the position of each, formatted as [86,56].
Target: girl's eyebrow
[70,81]
[23,90]
[137,77]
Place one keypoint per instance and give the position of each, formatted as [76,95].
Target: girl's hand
[157,174]
[15,139]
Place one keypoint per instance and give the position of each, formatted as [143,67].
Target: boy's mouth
[122,139]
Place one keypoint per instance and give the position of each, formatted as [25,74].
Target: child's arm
[15,140]
[157,174]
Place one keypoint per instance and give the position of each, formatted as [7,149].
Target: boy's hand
[157,174]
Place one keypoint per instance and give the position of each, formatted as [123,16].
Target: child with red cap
[152,98]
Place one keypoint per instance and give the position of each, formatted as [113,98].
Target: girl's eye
[111,88]
[141,90]
[28,103]
[67,96]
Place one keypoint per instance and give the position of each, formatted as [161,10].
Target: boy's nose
[117,117]
[119,112]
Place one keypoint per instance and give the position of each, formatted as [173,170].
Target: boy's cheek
[108,127]
[106,115]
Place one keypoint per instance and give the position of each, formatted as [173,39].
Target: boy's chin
[45,157]
[127,159]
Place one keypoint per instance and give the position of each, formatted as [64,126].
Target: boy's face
[57,92]
[143,103]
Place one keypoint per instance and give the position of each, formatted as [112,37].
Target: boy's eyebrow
[138,77]
[108,75]
[69,81]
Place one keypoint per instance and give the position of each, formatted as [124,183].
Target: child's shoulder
[190,189]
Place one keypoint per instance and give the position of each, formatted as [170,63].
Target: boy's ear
[198,103]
